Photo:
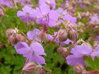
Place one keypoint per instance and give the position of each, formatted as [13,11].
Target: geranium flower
[33,52]
[34,35]
[78,52]
[94,19]
[7,3]
[27,14]
[95,53]
[51,3]
[45,16]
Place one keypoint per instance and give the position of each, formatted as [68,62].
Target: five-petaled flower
[33,52]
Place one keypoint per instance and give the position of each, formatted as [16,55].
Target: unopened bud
[15,38]
[62,35]
[48,2]
[40,70]
[86,43]
[57,27]
[90,72]
[11,31]
[19,37]
[96,43]
[79,68]
[43,36]
[63,51]
[73,35]
[12,40]
[29,67]
[60,49]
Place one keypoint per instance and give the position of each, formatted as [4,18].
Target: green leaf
[71,70]
[90,63]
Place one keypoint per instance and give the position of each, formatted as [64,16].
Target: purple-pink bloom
[34,35]
[94,19]
[66,42]
[70,18]
[74,60]
[97,38]
[65,16]
[42,14]
[97,48]
[7,3]
[78,52]
[45,16]
[53,18]
[51,3]
[81,50]
[60,11]
[32,53]
[50,37]
[27,14]
[23,1]
[55,38]
[95,53]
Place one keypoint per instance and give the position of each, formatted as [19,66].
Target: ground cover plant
[49,37]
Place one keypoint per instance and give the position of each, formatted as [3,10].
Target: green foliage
[54,61]
[92,63]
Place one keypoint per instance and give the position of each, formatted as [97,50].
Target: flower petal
[38,49]
[21,47]
[33,34]
[73,60]
[38,59]
[81,50]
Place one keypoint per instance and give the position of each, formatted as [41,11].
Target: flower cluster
[12,3]
[78,53]
[75,33]
[30,48]
[32,53]
[46,14]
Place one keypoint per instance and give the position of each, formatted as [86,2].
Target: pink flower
[33,52]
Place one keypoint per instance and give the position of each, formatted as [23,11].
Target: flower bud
[62,35]
[60,49]
[29,67]
[12,40]
[73,35]
[63,51]
[43,36]
[40,70]
[15,38]
[11,31]
[96,43]
[48,2]
[57,27]
[86,43]
[90,72]
[19,37]
[79,68]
